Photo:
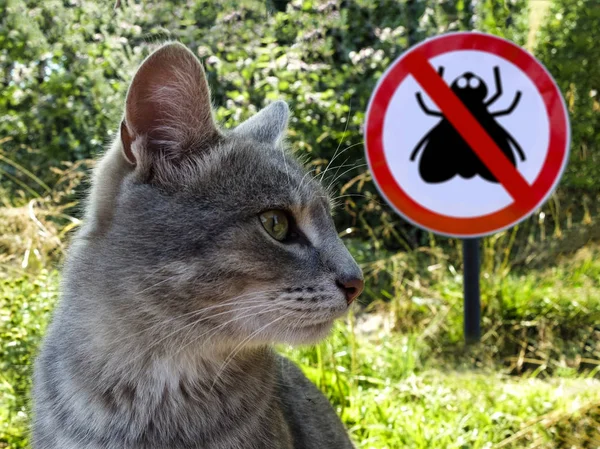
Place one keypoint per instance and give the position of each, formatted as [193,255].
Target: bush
[66,66]
[568,46]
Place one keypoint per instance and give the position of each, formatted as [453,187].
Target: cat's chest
[185,414]
[190,417]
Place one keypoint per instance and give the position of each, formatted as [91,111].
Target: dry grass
[35,219]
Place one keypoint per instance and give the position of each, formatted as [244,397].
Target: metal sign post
[472,313]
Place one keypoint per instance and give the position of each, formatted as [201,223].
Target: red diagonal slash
[470,130]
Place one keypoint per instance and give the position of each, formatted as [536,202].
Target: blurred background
[397,369]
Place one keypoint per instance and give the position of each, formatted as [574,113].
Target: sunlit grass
[391,396]
[399,374]
[425,389]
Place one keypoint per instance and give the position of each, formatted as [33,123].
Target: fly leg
[414,153]
[425,109]
[511,108]
[498,82]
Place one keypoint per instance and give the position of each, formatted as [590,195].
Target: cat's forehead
[280,172]
[263,174]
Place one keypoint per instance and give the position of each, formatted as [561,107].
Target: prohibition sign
[546,135]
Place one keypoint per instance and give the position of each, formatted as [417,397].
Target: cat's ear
[168,111]
[268,125]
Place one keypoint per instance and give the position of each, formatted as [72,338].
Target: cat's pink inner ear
[168,103]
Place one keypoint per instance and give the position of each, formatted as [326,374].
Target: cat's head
[216,235]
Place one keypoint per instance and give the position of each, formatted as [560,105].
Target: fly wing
[503,140]
[438,161]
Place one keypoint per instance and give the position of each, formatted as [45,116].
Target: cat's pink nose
[351,287]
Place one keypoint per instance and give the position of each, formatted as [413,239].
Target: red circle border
[541,188]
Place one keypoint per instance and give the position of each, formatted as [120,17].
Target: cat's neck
[202,371]
[188,395]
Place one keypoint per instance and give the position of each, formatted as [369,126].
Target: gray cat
[200,249]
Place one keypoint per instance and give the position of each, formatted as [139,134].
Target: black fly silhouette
[445,153]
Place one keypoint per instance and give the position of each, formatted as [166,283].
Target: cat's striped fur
[173,291]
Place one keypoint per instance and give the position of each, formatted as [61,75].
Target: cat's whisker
[287,331]
[357,195]
[343,165]
[341,140]
[291,328]
[170,278]
[214,331]
[164,323]
[130,362]
[247,297]
[153,272]
[269,307]
[195,323]
[241,346]
[302,180]
[214,315]
[322,175]
[287,171]
[342,174]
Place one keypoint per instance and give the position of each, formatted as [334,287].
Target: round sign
[466,134]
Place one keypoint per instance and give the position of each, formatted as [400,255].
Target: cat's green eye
[276,223]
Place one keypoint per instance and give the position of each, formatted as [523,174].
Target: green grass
[398,373]
[422,388]
[391,397]
[25,305]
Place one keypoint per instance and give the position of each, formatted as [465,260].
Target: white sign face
[406,124]
[466,134]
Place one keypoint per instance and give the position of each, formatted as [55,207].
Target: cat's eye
[276,223]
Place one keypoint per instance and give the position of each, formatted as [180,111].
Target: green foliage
[65,67]
[25,306]
[67,64]
[62,68]
[568,46]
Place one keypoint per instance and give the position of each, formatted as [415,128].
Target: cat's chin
[309,333]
